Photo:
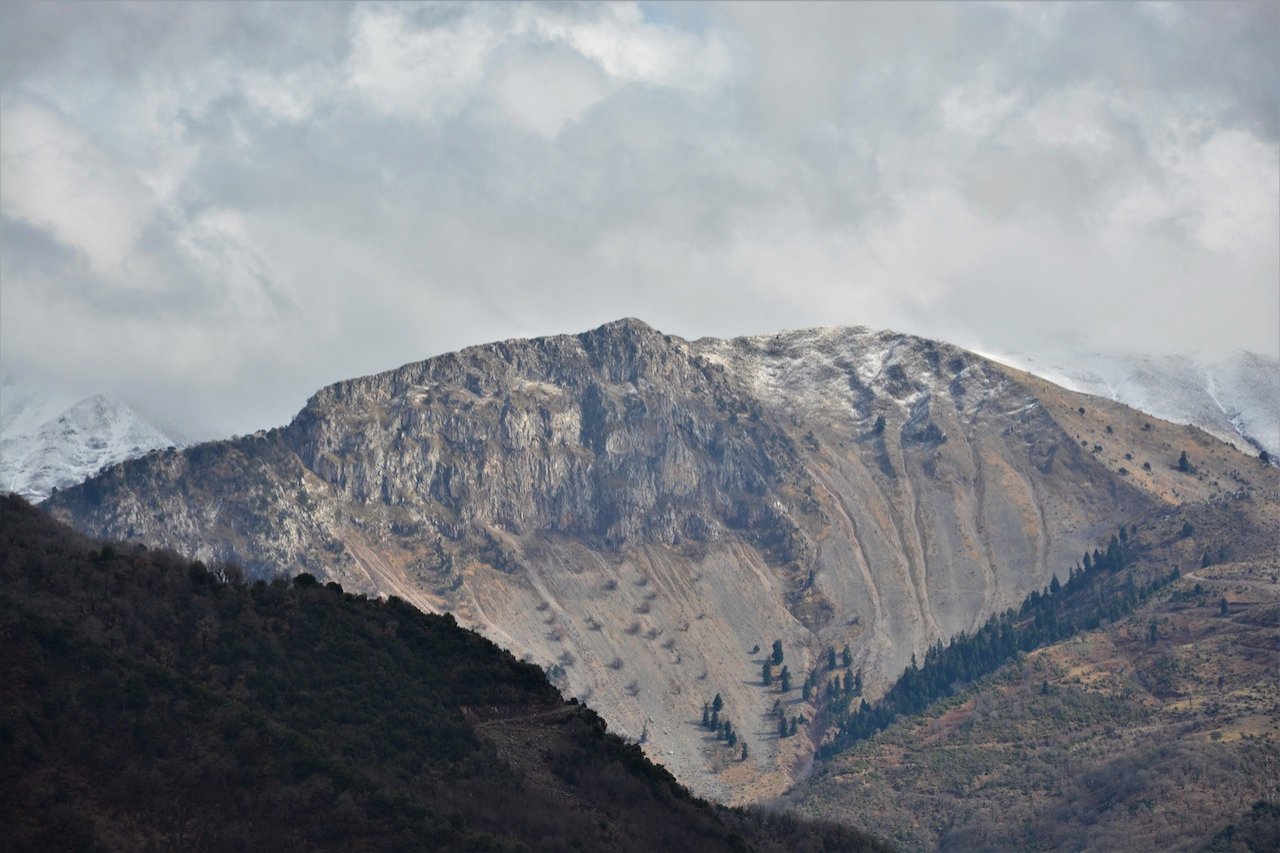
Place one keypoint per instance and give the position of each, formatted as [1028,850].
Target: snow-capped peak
[71,446]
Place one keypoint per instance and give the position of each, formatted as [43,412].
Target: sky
[212,210]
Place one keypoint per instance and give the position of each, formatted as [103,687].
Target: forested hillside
[154,702]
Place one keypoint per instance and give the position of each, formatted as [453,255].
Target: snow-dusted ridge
[1234,397]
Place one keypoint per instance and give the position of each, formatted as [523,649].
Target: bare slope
[637,512]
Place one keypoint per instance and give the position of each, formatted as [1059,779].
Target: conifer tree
[767,673]
[717,703]
[846,657]
[831,658]
[777,652]
[784,680]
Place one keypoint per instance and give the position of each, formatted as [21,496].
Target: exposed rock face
[638,511]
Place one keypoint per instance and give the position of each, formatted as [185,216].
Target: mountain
[151,704]
[1158,729]
[45,445]
[643,514]
[1234,397]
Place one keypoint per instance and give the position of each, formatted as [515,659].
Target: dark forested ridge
[153,702]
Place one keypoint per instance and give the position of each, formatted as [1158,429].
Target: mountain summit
[42,450]
[641,514]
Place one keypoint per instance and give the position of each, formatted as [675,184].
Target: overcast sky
[213,210]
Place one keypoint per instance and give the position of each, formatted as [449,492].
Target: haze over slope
[641,511]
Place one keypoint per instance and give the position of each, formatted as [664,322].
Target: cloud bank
[213,209]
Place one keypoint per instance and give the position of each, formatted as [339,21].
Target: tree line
[1098,589]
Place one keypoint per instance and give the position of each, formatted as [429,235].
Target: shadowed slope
[149,703]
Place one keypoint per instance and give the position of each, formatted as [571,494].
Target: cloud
[221,207]
[544,65]
[53,176]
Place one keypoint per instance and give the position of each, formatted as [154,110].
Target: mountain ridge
[1234,396]
[636,511]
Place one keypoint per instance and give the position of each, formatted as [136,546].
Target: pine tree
[785,680]
[846,657]
[745,752]
[782,728]
[777,652]
[795,722]
[831,658]
[717,703]
[706,714]
[766,674]
[807,691]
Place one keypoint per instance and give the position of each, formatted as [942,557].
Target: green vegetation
[152,703]
[1090,596]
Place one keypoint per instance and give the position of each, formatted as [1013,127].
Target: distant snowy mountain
[45,444]
[1235,397]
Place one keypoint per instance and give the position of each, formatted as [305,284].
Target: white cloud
[431,66]
[53,176]
[629,48]
[544,91]
[427,71]
[287,195]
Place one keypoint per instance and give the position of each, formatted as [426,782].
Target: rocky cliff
[638,512]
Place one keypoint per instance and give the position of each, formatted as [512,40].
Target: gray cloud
[217,208]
